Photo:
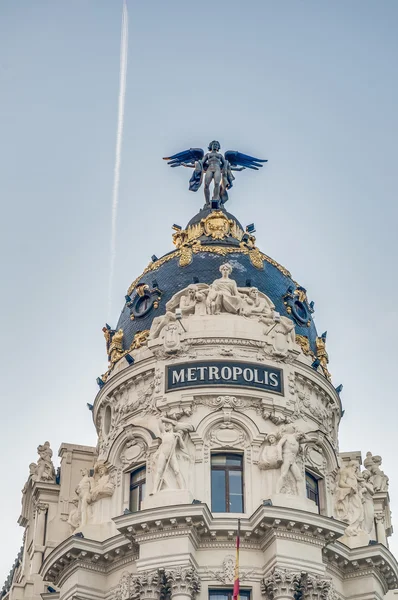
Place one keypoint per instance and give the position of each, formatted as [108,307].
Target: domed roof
[211,238]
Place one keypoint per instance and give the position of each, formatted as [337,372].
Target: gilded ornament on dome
[322,355]
[217,225]
[304,343]
[140,338]
[256,258]
[194,231]
[185,256]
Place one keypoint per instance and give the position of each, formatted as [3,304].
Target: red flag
[236,592]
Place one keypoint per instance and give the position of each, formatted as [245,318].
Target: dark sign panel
[198,374]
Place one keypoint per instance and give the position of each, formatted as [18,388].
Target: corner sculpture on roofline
[214,167]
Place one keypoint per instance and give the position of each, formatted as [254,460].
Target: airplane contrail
[118,152]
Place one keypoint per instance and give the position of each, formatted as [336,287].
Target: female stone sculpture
[224,295]
[349,507]
[367,492]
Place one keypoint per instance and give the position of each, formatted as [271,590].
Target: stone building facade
[217,406]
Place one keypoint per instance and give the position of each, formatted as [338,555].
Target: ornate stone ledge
[375,560]
[206,530]
[76,552]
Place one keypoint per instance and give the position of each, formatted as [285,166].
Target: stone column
[148,585]
[184,583]
[380,529]
[281,584]
[38,539]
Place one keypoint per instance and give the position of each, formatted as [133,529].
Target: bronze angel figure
[213,166]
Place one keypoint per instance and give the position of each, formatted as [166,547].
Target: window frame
[318,481]
[226,468]
[228,593]
[138,484]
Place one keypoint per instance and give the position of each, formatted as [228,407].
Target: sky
[311,86]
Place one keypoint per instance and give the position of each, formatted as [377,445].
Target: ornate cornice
[373,560]
[75,553]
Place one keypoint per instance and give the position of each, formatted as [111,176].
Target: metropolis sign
[198,374]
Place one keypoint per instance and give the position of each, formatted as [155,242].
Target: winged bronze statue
[213,166]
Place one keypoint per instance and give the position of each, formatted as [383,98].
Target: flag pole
[236,592]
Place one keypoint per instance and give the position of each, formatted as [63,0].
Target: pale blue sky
[310,85]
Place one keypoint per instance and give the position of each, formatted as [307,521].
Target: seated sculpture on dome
[223,296]
[190,301]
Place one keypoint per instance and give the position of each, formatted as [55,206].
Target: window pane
[235,491]
[234,460]
[218,491]
[138,475]
[143,486]
[218,459]
[134,499]
[219,594]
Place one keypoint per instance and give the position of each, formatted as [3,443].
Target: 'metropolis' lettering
[225,373]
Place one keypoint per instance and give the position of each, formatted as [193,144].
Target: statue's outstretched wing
[237,159]
[186,157]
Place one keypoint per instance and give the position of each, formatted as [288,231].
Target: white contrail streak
[118,152]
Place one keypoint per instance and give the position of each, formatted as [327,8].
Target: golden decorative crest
[140,338]
[185,256]
[217,225]
[304,342]
[256,258]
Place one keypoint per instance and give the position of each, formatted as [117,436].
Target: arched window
[312,487]
[227,483]
[137,488]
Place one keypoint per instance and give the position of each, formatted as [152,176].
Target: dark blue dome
[166,276]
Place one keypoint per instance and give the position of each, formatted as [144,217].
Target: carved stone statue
[289,444]
[89,491]
[224,294]
[190,301]
[102,486]
[116,347]
[214,167]
[367,493]
[271,457]
[44,470]
[83,492]
[348,498]
[172,438]
[74,517]
[378,479]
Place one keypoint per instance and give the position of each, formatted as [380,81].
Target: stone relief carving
[172,337]
[90,490]
[224,296]
[227,571]
[271,456]
[165,459]
[348,498]
[190,301]
[283,450]
[44,469]
[378,479]
[133,449]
